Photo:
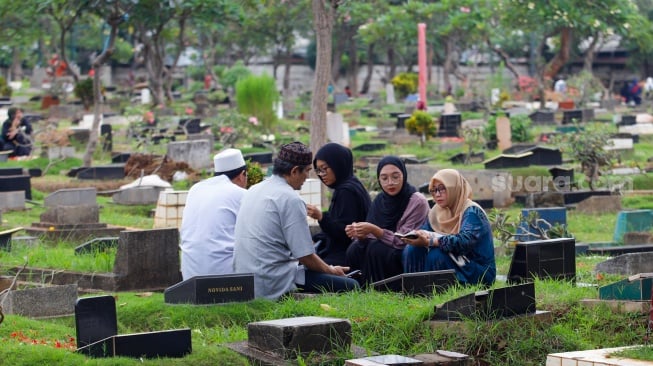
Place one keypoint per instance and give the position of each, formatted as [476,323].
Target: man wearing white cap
[207,227]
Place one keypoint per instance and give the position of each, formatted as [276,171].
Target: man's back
[207,230]
[271,232]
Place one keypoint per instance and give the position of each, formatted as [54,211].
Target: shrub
[519,128]
[421,123]
[256,96]
[5,89]
[84,91]
[229,77]
[254,173]
[405,83]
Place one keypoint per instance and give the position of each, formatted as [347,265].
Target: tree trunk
[588,60]
[286,72]
[448,66]
[16,73]
[323,18]
[153,56]
[180,49]
[392,64]
[370,69]
[114,21]
[353,66]
[561,58]
[505,57]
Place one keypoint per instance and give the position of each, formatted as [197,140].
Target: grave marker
[550,258]
[504,135]
[196,153]
[634,288]
[97,334]
[290,337]
[492,304]
[214,289]
[418,283]
[635,220]
[39,302]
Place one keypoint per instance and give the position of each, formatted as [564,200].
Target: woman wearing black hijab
[350,202]
[399,208]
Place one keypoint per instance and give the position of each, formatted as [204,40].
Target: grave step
[593,357]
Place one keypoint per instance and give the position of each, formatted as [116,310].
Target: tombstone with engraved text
[213,289]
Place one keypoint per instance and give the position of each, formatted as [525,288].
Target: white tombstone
[4,114]
[337,129]
[390,94]
[278,108]
[495,96]
[311,193]
[87,122]
[146,97]
[619,144]
[504,135]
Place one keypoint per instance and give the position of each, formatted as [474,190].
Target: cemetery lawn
[386,323]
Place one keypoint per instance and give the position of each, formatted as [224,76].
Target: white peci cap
[228,159]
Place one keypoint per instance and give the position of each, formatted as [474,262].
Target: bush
[519,128]
[254,173]
[405,83]
[84,91]
[5,89]
[256,96]
[229,77]
[421,123]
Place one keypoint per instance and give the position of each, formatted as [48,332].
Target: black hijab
[341,161]
[386,209]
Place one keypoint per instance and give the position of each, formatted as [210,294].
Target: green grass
[639,353]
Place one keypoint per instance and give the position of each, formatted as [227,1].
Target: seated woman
[377,252]
[334,165]
[457,234]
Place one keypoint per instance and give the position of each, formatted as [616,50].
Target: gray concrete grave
[143,195]
[627,264]
[147,259]
[600,204]
[12,200]
[197,153]
[40,302]
[73,215]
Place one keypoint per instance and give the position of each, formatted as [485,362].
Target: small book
[409,235]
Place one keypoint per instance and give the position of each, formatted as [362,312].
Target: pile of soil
[146,164]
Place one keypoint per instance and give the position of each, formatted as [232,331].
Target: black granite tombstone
[542,117]
[120,158]
[106,137]
[550,258]
[10,171]
[5,238]
[189,126]
[569,116]
[418,283]
[97,245]
[95,319]
[213,289]
[508,161]
[113,171]
[401,120]
[166,343]
[450,125]
[34,172]
[370,147]
[627,120]
[492,304]
[461,158]
[563,178]
[16,183]
[97,334]
[543,155]
[264,157]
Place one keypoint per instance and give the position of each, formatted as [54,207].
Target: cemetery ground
[385,323]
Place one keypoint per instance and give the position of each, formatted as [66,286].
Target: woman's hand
[313,212]
[360,230]
[421,241]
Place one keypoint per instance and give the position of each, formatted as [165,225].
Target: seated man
[207,227]
[273,240]
[16,132]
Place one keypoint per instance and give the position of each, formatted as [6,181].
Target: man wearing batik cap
[207,226]
[273,240]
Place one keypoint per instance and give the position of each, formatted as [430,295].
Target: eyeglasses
[322,171]
[438,189]
[395,178]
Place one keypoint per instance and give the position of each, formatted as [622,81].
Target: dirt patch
[163,166]
[47,185]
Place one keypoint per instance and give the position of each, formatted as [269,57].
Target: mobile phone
[353,273]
